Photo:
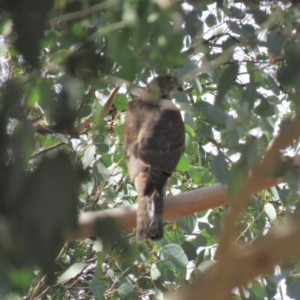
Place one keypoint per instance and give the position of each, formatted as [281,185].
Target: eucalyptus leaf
[72,272]
[173,255]
[220,168]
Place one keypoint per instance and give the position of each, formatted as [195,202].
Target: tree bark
[177,206]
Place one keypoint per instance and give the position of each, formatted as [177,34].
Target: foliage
[240,64]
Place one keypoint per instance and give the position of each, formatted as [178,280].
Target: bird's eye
[173,79]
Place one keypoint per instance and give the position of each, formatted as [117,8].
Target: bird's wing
[161,138]
[133,121]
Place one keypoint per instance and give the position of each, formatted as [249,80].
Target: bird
[154,139]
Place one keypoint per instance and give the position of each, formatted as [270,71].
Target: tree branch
[82,13]
[174,207]
[288,133]
[105,111]
[277,246]
[225,252]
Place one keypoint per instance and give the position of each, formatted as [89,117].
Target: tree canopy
[69,69]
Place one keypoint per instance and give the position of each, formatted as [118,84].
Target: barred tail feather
[150,217]
[150,208]
[155,213]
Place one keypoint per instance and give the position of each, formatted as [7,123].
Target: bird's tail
[149,214]
[150,217]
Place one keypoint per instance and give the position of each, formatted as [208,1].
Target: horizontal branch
[177,206]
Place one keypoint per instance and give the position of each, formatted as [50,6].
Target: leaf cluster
[239,62]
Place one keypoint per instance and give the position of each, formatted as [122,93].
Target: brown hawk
[154,141]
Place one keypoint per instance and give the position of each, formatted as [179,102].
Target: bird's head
[164,86]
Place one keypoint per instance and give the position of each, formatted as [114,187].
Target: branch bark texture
[175,207]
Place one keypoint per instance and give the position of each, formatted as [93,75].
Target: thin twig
[105,111]
[82,13]
[47,149]
[42,281]
[81,127]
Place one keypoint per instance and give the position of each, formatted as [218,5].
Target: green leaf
[107,159]
[181,99]
[235,28]
[220,169]
[249,97]
[187,224]
[189,130]
[174,237]
[120,131]
[258,290]
[193,24]
[191,147]
[231,133]
[211,20]
[260,16]
[20,277]
[59,56]
[23,138]
[189,121]
[264,109]
[101,142]
[126,292]
[183,164]
[190,250]
[228,43]
[210,235]
[198,87]
[200,175]
[289,72]
[174,255]
[236,13]
[250,154]
[99,269]
[200,241]
[238,175]
[101,171]
[34,96]
[273,42]
[166,270]
[214,114]
[226,81]
[52,36]
[121,102]
[72,272]
[247,30]
[97,288]
[273,85]
[78,30]
[119,154]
